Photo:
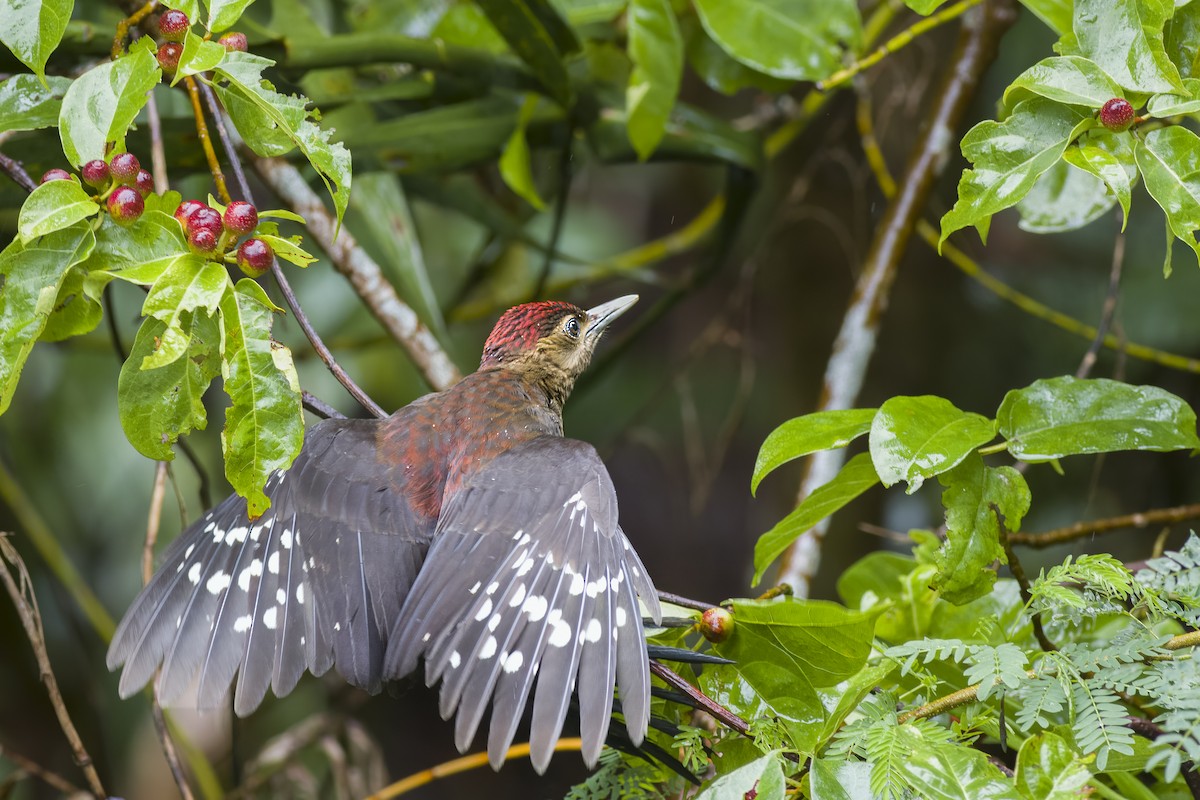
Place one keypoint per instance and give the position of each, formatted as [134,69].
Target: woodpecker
[463,531]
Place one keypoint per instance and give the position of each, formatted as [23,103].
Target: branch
[362,271]
[31,619]
[14,170]
[473,761]
[210,155]
[707,704]
[855,343]
[1018,572]
[38,771]
[1142,519]
[1148,730]
[126,24]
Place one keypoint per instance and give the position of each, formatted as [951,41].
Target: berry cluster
[211,233]
[173,26]
[121,182]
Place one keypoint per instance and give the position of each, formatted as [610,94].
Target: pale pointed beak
[601,316]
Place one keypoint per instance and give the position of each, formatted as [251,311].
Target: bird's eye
[572,327]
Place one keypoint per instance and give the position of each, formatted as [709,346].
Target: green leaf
[1049,769]
[585,12]
[467,25]
[914,438]
[1180,36]
[824,430]
[1055,13]
[1125,39]
[27,105]
[656,48]
[761,779]
[264,425]
[924,7]
[136,254]
[794,39]
[1064,199]
[74,312]
[32,276]
[272,123]
[186,285]
[898,585]
[198,56]
[840,780]
[540,37]
[1169,159]
[32,29]
[101,104]
[157,406]
[222,14]
[514,161]
[814,642]
[1174,104]
[716,68]
[950,772]
[765,689]
[1008,157]
[1065,416]
[288,249]
[53,206]
[973,495]
[1073,80]
[853,479]
[388,233]
[1109,156]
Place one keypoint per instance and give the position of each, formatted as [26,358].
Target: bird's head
[552,341]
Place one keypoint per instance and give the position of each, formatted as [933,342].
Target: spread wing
[316,581]
[530,575]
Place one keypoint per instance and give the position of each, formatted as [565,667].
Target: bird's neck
[547,383]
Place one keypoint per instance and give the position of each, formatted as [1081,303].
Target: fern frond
[1100,726]
[995,668]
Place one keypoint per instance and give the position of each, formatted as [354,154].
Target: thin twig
[35,769]
[680,600]
[158,155]
[855,343]
[1078,530]
[897,42]
[214,166]
[473,761]
[14,170]
[319,407]
[716,710]
[285,287]
[1107,310]
[1018,572]
[169,751]
[31,619]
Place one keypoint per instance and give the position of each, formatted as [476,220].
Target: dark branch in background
[285,288]
[31,620]
[319,407]
[1142,519]
[1148,730]
[38,771]
[565,175]
[14,170]
[1107,310]
[1018,572]
[847,365]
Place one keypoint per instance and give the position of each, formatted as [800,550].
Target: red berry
[168,57]
[125,205]
[1117,114]
[56,175]
[202,240]
[173,25]
[124,168]
[144,182]
[95,174]
[254,257]
[234,41]
[240,217]
[716,624]
[186,209]
[204,219]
